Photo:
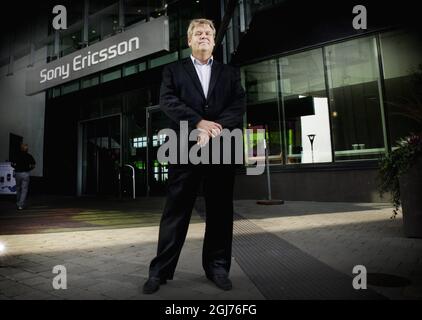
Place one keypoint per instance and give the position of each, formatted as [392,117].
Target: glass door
[157,171]
[100,156]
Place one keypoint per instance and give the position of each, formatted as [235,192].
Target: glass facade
[355,95]
[402,61]
[336,103]
[106,19]
[306,129]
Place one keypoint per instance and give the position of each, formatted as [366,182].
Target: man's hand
[213,129]
[203,138]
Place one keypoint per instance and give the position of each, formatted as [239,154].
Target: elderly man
[209,96]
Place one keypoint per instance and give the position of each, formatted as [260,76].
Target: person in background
[23,163]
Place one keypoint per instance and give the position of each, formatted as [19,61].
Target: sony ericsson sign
[134,43]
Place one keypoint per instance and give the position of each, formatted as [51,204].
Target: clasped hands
[207,129]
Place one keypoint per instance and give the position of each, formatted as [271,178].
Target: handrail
[133,179]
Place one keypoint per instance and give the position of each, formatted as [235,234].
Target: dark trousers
[183,184]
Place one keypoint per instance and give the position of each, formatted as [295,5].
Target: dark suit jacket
[182,97]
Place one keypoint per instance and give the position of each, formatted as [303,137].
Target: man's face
[202,40]
[24,147]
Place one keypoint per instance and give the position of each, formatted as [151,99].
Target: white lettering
[76,63]
[136,40]
[121,51]
[83,61]
[193,311]
[60,21]
[43,75]
[60,281]
[94,61]
[359,282]
[66,71]
[360,21]
[112,52]
[89,59]
[103,55]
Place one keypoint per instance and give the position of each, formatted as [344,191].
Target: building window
[90,81]
[70,87]
[306,124]
[160,171]
[111,75]
[158,140]
[402,61]
[71,42]
[135,11]
[170,57]
[140,142]
[319,103]
[263,110]
[355,90]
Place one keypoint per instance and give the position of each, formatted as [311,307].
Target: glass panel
[158,171]
[86,83]
[56,92]
[136,102]
[112,75]
[131,69]
[135,11]
[402,60]
[97,5]
[185,53]
[50,51]
[101,156]
[142,66]
[108,21]
[164,59]
[263,112]
[353,77]
[70,87]
[305,108]
[112,104]
[157,9]
[71,42]
[90,109]
[188,10]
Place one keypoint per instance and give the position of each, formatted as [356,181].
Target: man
[209,96]
[23,164]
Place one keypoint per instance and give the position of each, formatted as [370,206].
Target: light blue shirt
[204,72]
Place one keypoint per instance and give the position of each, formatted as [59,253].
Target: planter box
[411,199]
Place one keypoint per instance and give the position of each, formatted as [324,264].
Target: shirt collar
[197,62]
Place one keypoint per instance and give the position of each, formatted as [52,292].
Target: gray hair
[196,22]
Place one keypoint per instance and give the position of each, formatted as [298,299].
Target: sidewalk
[299,250]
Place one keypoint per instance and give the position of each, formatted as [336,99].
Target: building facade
[332,98]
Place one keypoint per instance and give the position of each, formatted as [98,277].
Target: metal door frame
[148,111]
[80,147]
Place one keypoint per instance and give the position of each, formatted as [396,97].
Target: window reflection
[354,84]
[260,81]
[402,61]
[306,128]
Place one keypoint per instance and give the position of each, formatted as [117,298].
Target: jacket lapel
[215,72]
[190,69]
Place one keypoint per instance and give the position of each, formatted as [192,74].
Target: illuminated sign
[139,41]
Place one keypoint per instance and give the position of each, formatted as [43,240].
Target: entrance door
[157,172]
[99,156]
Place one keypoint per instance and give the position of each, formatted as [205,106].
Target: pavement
[298,250]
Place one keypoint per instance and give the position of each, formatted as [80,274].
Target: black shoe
[221,280]
[152,285]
